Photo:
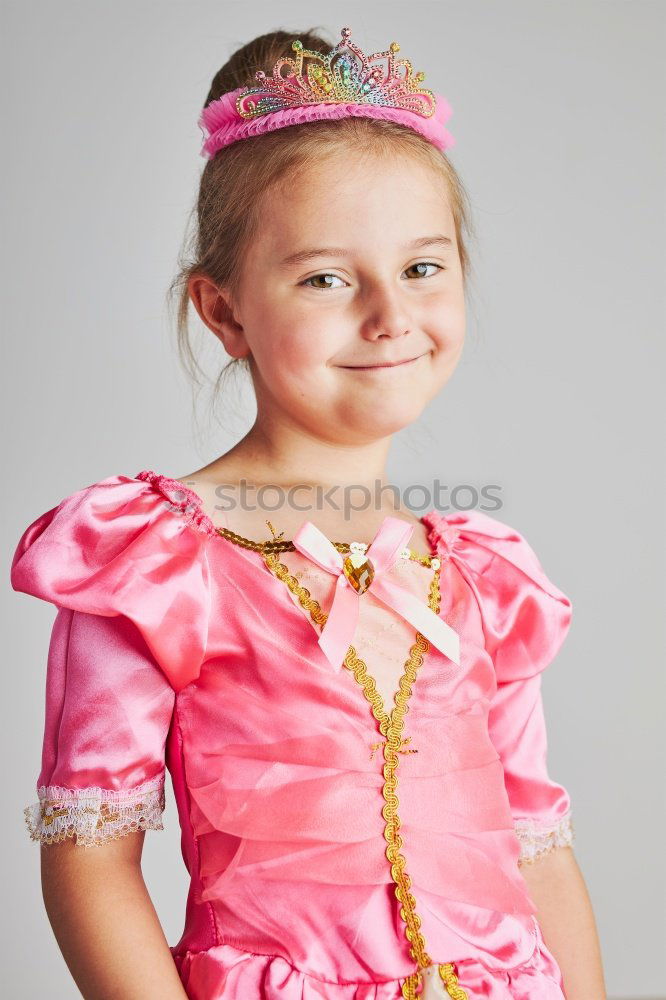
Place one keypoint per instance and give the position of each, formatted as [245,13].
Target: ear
[213,305]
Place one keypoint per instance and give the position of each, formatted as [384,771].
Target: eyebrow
[303,256]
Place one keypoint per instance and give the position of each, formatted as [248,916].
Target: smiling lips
[388,364]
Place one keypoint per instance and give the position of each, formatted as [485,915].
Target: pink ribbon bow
[340,628]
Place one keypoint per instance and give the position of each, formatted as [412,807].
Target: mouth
[384,367]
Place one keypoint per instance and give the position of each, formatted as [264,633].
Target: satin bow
[340,628]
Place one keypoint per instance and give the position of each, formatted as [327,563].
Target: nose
[384,312]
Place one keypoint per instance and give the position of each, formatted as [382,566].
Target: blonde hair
[235,181]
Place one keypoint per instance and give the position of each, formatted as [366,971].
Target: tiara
[317,85]
[343,75]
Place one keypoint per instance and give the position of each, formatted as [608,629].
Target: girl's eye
[426,263]
[420,264]
[320,287]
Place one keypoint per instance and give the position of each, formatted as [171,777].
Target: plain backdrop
[558,117]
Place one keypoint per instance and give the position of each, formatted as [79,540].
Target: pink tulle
[221,124]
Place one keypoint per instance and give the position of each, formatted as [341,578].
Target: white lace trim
[95,815]
[537,839]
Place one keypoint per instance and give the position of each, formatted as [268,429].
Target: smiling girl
[348,701]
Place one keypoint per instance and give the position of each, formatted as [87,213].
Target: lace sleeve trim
[95,815]
[537,839]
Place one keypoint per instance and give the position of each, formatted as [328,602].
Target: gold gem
[359,571]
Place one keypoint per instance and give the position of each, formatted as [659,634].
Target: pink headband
[336,84]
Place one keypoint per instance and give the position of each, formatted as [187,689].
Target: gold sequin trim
[280,544]
[391,728]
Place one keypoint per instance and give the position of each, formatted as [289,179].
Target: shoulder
[130,546]
[488,545]
[525,614]
[118,518]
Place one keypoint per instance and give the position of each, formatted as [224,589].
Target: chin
[387,420]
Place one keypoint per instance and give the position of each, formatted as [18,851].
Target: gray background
[558,112]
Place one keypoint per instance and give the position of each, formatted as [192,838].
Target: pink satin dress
[174,648]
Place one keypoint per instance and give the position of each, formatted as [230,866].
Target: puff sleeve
[526,618]
[129,578]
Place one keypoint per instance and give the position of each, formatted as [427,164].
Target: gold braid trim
[305,598]
[391,727]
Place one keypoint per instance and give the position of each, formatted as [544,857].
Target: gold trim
[391,728]
[278,544]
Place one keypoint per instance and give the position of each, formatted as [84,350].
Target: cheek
[299,349]
[289,370]
[451,323]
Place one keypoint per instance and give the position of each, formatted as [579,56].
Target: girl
[349,708]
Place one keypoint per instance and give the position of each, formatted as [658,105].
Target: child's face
[311,324]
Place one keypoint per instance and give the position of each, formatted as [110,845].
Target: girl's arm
[105,923]
[565,915]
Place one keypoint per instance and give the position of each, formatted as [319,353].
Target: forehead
[349,200]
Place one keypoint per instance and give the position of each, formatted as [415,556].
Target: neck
[287,459]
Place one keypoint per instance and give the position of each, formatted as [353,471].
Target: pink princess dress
[174,647]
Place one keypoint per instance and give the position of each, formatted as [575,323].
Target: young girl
[349,707]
